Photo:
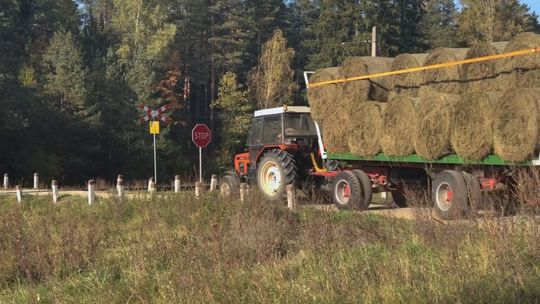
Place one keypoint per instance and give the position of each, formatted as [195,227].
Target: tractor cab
[278,150]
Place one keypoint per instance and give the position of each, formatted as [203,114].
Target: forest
[74,73]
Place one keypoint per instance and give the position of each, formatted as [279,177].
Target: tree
[494,20]
[271,80]
[234,113]
[439,23]
[64,73]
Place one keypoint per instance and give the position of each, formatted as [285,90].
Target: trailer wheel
[474,192]
[399,197]
[229,185]
[449,194]
[275,171]
[347,192]
[365,183]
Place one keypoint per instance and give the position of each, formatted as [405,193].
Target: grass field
[177,249]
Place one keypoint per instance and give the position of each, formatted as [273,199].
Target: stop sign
[201,135]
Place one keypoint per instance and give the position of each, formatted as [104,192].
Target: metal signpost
[154,117]
[201,136]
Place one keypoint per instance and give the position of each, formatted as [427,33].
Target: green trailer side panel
[491,160]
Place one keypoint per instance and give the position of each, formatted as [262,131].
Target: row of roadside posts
[243,193]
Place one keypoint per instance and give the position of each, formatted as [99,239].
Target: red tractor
[280,149]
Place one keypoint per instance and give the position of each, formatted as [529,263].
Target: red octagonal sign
[201,135]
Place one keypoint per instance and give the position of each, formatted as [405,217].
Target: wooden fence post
[91,192]
[54,186]
[19,193]
[177,184]
[291,197]
[213,182]
[120,189]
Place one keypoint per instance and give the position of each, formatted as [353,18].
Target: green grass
[177,249]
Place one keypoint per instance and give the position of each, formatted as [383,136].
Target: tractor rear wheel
[275,171]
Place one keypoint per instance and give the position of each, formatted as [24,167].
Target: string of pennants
[155,115]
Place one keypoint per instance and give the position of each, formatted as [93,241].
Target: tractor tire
[365,183]
[449,195]
[275,171]
[474,193]
[229,185]
[347,192]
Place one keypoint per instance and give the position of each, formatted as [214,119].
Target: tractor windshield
[299,125]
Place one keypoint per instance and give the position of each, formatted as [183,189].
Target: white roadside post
[177,184]
[54,186]
[213,183]
[6,181]
[199,188]
[120,186]
[91,192]
[19,193]
[151,185]
[291,197]
[36,181]
[243,192]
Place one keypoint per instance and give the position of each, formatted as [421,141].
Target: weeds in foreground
[176,249]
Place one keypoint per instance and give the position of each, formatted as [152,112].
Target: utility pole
[374,42]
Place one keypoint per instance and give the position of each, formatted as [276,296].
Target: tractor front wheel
[275,171]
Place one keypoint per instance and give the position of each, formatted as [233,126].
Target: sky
[533,4]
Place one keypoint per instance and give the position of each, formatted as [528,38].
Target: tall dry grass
[176,249]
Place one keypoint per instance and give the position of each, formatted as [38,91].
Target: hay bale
[363,90]
[499,45]
[522,71]
[409,83]
[480,76]
[516,131]
[445,80]
[435,113]
[366,128]
[334,128]
[399,121]
[321,97]
[472,127]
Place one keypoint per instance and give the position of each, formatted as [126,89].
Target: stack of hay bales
[471,110]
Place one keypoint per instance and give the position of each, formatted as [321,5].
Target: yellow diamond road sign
[154,127]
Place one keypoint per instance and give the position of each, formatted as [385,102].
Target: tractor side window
[272,130]
[255,134]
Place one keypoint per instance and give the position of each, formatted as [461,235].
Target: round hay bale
[517,120]
[409,83]
[366,128]
[399,121]
[480,76]
[320,97]
[445,80]
[334,128]
[472,128]
[499,45]
[522,71]
[363,90]
[435,113]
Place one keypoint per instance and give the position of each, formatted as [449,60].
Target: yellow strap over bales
[429,67]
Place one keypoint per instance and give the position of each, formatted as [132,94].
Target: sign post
[201,137]
[154,129]
[154,117]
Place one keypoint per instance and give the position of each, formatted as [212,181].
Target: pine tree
[271,81]
[65,76]
[439,23]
